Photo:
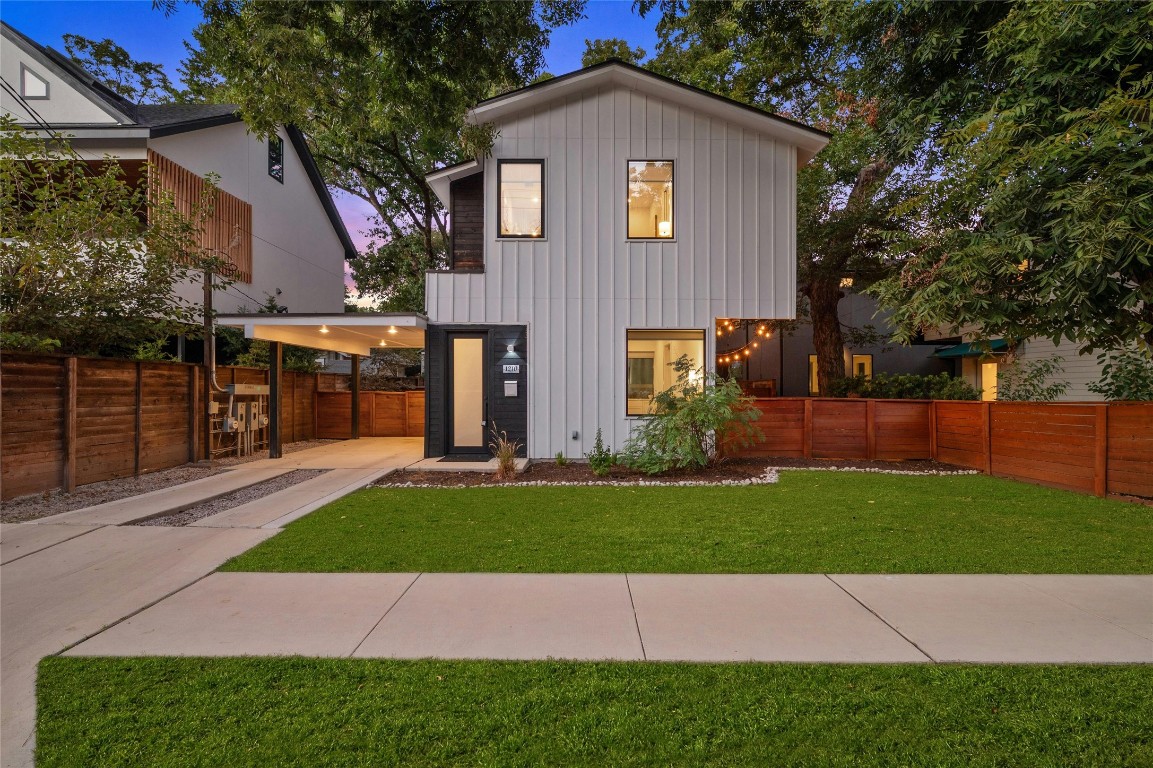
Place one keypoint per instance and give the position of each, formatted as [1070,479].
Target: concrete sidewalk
[771,618]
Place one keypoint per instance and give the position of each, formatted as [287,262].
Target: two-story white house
[274,221]
[618,218]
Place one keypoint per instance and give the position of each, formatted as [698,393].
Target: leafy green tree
[607,48]
[141,82]
[393,270]
[1031,380]
[380,89]
[258,354]
[1125,375]
[1038,225]
[789,58]
[80,272]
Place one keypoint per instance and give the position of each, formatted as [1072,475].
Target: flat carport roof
[353,333]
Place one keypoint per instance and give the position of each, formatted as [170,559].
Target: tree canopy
[604,49]
[381,91]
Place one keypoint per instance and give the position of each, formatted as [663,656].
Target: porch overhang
[974,349]
[352,333]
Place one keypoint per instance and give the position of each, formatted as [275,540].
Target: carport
[353,333]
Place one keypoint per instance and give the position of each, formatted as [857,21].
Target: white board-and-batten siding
[584,284]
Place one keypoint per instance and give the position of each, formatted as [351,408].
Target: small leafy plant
[1031,380]
[601,459]
[690,422]
[906,386]
[560,459]
[505,451]
[1125,375]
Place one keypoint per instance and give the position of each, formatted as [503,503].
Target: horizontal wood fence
[382,414]
[1097,448]
[77,420]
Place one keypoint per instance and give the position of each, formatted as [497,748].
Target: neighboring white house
[278,225]
[619,218]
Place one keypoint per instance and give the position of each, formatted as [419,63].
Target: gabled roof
[170,119]
[809,141]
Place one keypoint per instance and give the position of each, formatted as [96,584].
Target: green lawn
[337,712]
[809,522]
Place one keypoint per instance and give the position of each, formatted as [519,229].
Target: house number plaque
[511,369]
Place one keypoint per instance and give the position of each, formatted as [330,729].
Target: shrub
[1031,380]
[1125,375]
[560,459]
[906,386]
[505,451]
[601,459]
[690,420]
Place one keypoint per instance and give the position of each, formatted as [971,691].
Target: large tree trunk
[824,294]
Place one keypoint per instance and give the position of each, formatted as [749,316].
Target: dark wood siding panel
[467,239]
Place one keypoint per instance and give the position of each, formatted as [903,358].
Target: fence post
[807,446]
[987,432]
[193,411]
[70,383]
[315,402]
[933,430]
[138,436]
[1101,463]
[871,429]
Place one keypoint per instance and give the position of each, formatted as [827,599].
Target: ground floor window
[814,382]
[648,365]
[863,366]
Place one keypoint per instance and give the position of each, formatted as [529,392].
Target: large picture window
[650,200]
[520,189]
[648,367]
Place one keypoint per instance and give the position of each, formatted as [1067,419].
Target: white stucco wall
[294,246]
[584,285]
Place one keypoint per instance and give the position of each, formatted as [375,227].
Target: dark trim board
[509,413]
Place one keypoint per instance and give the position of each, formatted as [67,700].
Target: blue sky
[148,35]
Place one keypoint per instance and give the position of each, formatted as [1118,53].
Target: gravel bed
[733,472]
[235,499]
[37,505]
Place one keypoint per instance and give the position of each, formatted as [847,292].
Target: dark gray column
[355,384]
[275,358]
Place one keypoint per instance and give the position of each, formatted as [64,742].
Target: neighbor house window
[648,366]
[276,158]
[650,200]
[520,189]
[814,382]
[863,366]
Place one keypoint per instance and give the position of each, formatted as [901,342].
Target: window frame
[704,340]
[275,139]
[543,201]
[814,377]
[672,202]
[24,71]
[853,363]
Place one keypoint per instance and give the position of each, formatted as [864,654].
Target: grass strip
[810,522]
[340,712]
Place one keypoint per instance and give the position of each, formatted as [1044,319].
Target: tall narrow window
[520,189]
[814,382]
[649,364]
[650,200]
[276,158]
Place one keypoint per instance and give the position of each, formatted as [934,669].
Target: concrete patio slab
[67,592]
[1126,601]
[364,453]
[737,617]
[509,616]
[21,539]
[439,465]
[278,509]
[167,500]
[257,614]
[994,619]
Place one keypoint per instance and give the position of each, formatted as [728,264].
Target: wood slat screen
[228,231]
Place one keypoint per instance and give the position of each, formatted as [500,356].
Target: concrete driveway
[66,578]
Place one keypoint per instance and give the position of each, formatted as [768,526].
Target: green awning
[973,349]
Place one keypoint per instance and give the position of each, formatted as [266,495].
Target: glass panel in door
[467,392]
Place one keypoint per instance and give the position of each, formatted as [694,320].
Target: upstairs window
[276,158]
[650,200]
[32,86]
[520,189]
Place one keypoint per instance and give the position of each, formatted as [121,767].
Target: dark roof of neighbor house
[618,63]
[171,119]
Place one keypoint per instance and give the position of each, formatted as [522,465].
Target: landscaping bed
[731,471]
[234,499]
[349,712]
[807,522]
